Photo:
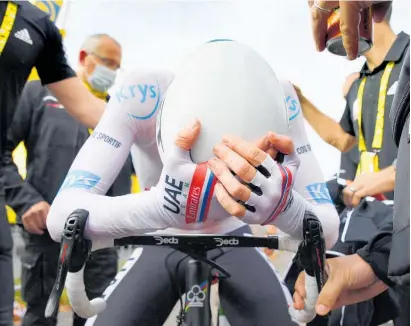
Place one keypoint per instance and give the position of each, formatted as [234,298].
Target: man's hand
[349,21]
[34,220]
[369,184]
[262,188]
[350,280]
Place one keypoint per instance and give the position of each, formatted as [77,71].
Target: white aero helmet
[231,89]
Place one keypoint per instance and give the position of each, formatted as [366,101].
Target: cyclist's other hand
[188,135]
[261,187]
[350,280]
[349,21]
[34,219]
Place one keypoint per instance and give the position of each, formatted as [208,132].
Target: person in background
[385,260]
[365,120]
[29,39]
[364,131]
[384,307]
[52,139]
[348,161]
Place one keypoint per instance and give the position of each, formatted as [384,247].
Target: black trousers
[6,269]
[39,269]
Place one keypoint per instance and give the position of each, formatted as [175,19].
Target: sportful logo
[24,36]
[105,138]
[165,240]
[319,192]
[80,179]
[293,108]
[195,297]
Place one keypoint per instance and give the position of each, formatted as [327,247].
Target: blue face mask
[102,78]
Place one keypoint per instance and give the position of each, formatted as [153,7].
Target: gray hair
[92,41]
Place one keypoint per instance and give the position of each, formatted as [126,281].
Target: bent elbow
[336,143]
[53,225]
[330,222]
[347,147]
[56,217]
[346,143]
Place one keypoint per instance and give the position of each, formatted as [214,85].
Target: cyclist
[144,293]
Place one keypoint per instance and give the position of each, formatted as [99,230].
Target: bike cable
[175,283]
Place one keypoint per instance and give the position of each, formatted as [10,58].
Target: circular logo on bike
[195,297]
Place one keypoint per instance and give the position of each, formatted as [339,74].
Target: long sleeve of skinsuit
[99,162]
[310,189]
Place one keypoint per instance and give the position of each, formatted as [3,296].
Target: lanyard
[100,95]
[7,24]
[379,122]
[369,161]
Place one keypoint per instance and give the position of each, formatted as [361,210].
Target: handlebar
[75,250]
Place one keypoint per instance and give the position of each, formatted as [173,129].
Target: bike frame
[197,297]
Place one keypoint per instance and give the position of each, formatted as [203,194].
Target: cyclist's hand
[350,280]
[349,21]
[186,189]
[262,188]
[34,219]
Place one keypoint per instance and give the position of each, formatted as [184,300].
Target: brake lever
[74,252]
[311,257]
[318,250]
